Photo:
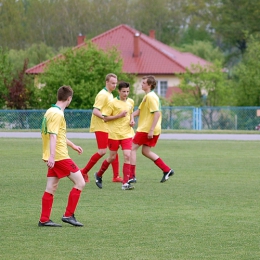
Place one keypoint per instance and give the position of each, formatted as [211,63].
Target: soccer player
[55,154]
[100,128]
[148,129]
[118,115]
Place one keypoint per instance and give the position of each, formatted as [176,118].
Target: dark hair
[64,92]
[110,75]
[123,84]
[150,81]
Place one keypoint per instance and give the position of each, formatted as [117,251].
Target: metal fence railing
[190,118]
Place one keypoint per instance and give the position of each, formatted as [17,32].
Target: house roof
[141,54]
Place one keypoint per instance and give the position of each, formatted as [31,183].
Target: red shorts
[62,169]
[126,144]
[102,139]
[141,138]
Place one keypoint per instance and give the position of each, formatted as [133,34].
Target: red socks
[72,202]
[126,172]
[47,201]
[132,171]
[115,166]
[93,160]
[160,163]
[103,168]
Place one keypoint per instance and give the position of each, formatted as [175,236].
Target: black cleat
[72,220]
[166,175]
[48,224]
[132,180]
[98,181]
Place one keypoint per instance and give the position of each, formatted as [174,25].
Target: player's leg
[47,202]
[116,170]
[113,146]
[132,173]
[126,145]
[167,171]
[102,142]
[73,198]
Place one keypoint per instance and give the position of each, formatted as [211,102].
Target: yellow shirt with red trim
[120,128]
[54,123]
[101,101]
[149,105]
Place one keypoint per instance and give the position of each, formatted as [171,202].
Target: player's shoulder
[130,100]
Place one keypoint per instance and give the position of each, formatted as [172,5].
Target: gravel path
[241,137]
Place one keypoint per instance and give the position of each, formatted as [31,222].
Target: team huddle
[112,122]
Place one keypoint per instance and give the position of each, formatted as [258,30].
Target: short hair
[123,84]
[64,92]
[110,75]
[150,81]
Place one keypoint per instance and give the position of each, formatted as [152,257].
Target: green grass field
[208,210]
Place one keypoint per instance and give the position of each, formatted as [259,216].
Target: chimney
[152,34]
[81,39]
[136,45]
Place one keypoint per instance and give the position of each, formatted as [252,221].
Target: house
[142,55]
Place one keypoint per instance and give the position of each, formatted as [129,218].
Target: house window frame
[161,90]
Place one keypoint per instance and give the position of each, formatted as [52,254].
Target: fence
[190,118]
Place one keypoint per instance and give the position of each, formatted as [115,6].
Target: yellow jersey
[54,123]
[120,128]
[101,101]
[149,105]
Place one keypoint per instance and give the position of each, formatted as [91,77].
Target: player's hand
[122,114]
[78,149]
[150,134]
[132,123]
[50,162]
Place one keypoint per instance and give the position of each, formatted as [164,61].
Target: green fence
[190,118]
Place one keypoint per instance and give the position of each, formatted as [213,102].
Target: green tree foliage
[84,70]
[204,86]
[237,19]
[192,34]
[35,54]
[204,50]
[13,33]
[247,75]
[6,69]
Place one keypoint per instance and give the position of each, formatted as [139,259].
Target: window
[161,88]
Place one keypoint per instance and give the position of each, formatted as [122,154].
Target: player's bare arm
[97,113]
[53,141]
[110,118]
[74,147]
[156,117]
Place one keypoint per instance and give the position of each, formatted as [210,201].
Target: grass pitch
[209,209]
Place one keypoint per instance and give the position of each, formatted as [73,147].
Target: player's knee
[102,152]
[127,157]
[81,184]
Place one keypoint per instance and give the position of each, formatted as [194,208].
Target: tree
[204,86]
[204,50]
[84,70]
[247,75]
[237,19]
[6,69]
[35,54]
[17,96]
[12,27]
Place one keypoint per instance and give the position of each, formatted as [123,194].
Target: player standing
[55,154]
[148,130]
[100,128]
[118,115]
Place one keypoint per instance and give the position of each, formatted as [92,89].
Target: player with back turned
[55,154]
